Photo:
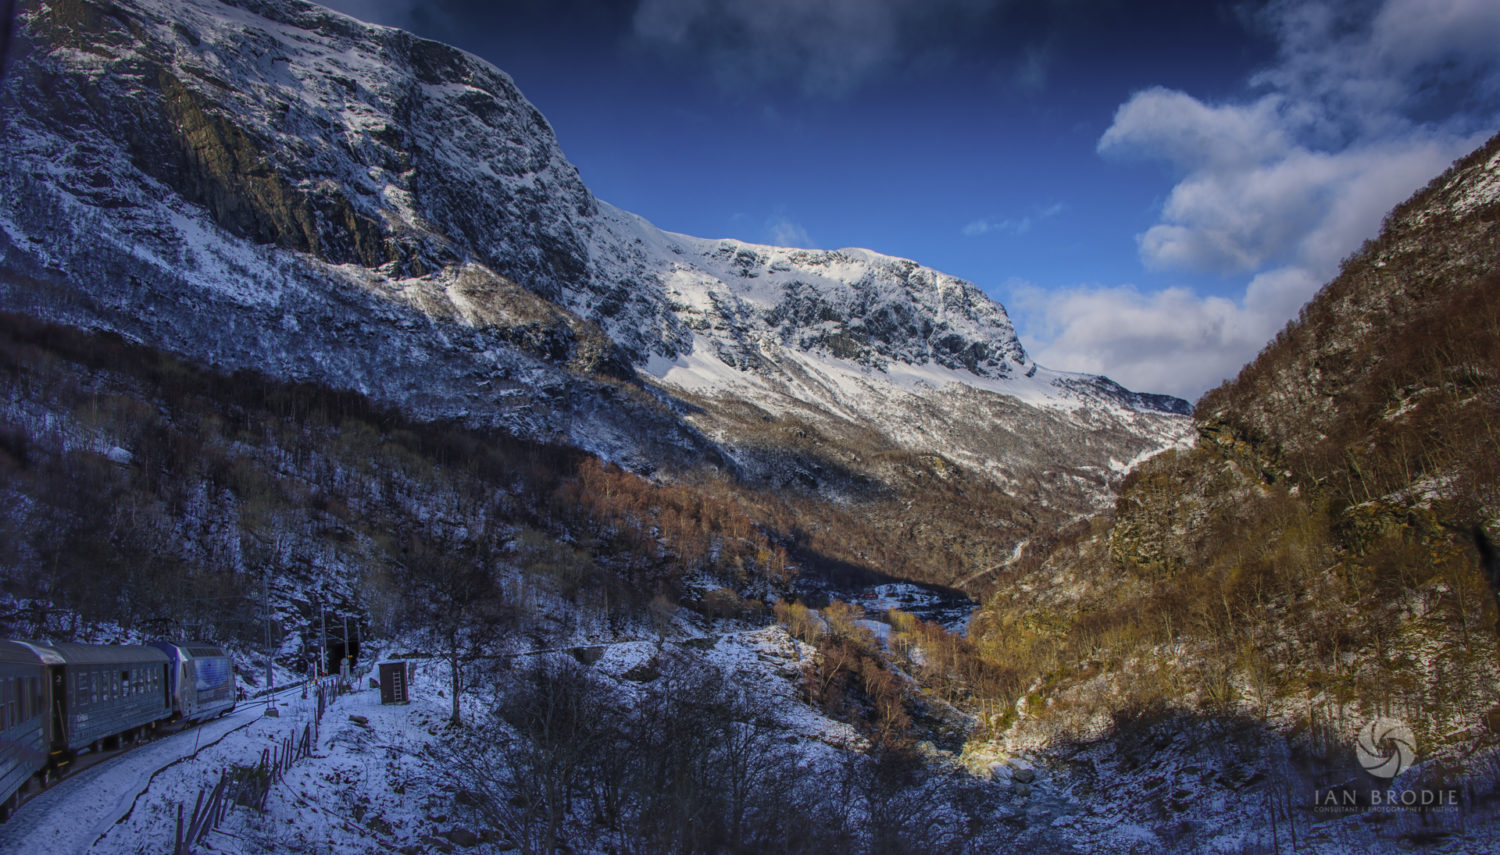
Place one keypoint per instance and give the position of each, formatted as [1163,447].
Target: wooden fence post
[207,815]
[193,823]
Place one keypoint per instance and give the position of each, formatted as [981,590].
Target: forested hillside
[1326,552]
[141,490]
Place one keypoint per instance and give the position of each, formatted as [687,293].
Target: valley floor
[378,779]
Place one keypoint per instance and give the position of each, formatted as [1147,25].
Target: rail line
[30,826]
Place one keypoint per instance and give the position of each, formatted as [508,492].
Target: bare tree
[456,604]
[531,756]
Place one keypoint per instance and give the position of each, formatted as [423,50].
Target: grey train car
[23,720]
[101,694]
[201,680]
[57,700]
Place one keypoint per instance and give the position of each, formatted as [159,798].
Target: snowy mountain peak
[271,185]
[747,301]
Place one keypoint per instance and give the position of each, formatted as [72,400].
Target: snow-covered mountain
[271,185]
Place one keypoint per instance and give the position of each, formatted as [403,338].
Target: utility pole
[270,678]
[265,579]
[322,638]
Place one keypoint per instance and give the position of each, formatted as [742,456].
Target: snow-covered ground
[129,803]
[372,784]
[369,785]
[83,812]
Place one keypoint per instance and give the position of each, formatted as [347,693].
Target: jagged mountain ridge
[273,185]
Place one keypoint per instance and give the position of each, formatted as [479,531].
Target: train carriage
[108,692]
[23,719]
[201,681]
[59,699]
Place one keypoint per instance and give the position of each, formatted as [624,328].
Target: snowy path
[69,817]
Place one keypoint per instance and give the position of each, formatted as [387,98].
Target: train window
[36,697]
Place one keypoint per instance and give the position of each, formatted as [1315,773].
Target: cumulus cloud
[1287,204]
[1164,123]
[1279,186]
[825,48]
[1173,341]
[1366,66]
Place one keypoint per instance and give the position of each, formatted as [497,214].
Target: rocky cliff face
[268,184]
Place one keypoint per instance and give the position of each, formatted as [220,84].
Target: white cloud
[1172,341]
[1418,32]
[1301,207]
[1014,226]
[782,231]
[826,48]
[1281,185]
[1366,65]
[1176,126]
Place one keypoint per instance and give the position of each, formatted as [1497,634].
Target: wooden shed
[395,680]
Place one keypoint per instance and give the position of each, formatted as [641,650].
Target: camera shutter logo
[1386,747]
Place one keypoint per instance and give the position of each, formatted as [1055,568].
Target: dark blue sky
[1152,189]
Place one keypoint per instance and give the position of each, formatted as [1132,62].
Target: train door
[57,719]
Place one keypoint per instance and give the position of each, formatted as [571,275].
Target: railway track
[101,788]
[89,759]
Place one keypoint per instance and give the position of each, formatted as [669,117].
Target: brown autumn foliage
[850,676]
[268,471]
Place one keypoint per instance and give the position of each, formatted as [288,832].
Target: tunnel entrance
[337,650]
